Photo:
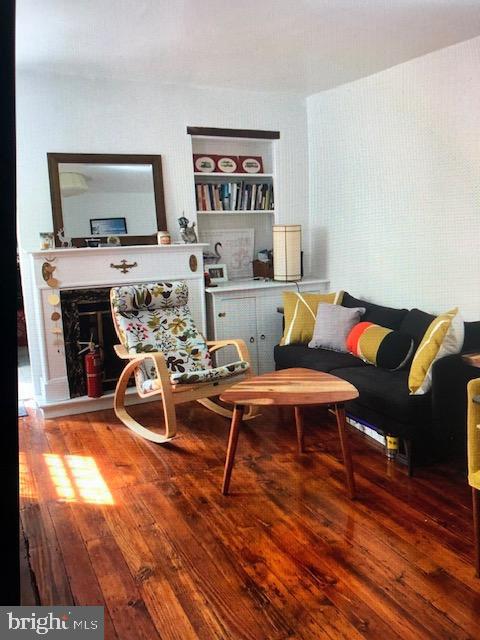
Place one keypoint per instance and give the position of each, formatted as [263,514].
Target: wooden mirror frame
[54,159]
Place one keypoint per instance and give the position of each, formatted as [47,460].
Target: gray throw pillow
[332,326]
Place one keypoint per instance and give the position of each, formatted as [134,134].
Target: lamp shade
[287,246]
[72,184]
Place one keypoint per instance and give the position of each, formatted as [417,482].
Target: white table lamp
[287,247]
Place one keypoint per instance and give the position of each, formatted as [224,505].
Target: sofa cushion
[332,326]
[386,393]
[300,312]
[384,316]
[443,337]
[380,346]
[472,337]
[299,355]
[415,325]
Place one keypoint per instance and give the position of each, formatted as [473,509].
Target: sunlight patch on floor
[77,479]
[27,488]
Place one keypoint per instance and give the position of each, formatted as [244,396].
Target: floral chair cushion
[211,375]
[154,317]
[207,375]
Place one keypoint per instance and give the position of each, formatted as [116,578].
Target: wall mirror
[102,195]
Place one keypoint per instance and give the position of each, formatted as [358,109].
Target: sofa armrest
[450,376]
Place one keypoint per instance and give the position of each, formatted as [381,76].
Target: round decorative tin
[227,164]
[251,165]
[204,164]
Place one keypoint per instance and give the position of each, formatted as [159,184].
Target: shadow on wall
[319,252]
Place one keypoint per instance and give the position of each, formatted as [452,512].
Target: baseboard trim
[84,404]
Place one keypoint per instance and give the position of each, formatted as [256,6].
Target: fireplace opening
[86,313]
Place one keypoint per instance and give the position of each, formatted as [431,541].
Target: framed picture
[217,272]
[237,249]
[108,226]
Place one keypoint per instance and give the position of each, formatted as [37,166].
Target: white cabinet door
[236,318]
[269,330]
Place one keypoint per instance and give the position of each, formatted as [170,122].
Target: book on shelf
[234,196]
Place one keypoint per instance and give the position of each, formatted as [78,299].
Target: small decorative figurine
[65,242]
[212,258]
[187,233]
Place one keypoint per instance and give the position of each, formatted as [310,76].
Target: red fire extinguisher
[93,369]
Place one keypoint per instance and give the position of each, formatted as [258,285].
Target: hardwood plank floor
[143,529]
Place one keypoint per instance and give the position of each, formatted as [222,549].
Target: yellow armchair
[473,434]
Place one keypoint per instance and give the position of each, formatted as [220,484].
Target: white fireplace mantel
[88,268]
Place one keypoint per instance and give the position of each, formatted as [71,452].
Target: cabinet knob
[252,339]
[222,314]
[262,337]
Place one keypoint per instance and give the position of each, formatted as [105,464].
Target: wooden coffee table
[290,387]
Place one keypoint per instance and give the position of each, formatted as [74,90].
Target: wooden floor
[110,519]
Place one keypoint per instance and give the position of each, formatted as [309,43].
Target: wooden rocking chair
[167,355]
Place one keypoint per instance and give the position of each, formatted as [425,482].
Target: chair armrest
[473,431]
[450,376]
[242,349]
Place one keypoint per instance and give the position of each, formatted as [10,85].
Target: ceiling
[112,178]
[299,46]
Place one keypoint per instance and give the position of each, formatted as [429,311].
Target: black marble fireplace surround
[86,311]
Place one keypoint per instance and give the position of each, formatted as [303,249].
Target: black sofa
[431,427]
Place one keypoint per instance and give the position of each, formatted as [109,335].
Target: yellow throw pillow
[300,311]
[444,336]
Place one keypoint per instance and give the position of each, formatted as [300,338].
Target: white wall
[138,209]
[71,114]
[395,183]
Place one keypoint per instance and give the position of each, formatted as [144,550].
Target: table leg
[476,528]
[347,456]
[299,425]
[232,446]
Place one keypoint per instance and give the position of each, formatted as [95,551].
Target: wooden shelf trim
[199,174]
[233,133]
[231,212]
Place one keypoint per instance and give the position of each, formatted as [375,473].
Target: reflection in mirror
[106,195]
[107,199]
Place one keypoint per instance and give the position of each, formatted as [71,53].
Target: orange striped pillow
[380,346]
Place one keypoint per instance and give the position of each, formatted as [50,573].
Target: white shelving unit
[261,220]
[247,309]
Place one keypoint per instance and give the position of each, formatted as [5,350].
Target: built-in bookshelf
[233,194]
[235,200]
